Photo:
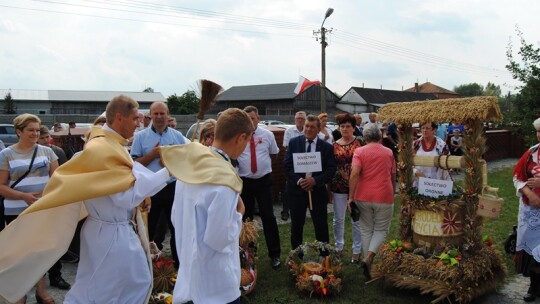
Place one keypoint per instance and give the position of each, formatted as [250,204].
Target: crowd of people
[202,193]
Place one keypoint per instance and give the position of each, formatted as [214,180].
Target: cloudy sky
[129,45]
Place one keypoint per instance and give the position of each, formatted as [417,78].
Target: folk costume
[437,149]
[103,173]
[207,224]
[528,236]
[527,257]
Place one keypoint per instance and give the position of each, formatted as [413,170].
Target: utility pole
[323,32]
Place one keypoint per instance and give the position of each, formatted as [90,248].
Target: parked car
[272,122]
[191,129]
[8,135]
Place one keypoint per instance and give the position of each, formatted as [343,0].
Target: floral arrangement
[315,267]
[448,255]
[248,256]
[164,277]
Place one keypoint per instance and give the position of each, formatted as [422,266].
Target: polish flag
[304,83]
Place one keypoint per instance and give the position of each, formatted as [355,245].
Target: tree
[148,90]
[470,90]
[187,103]
[525,106]
[9,104]
[492,90]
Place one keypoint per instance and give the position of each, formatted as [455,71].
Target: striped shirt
[17,164]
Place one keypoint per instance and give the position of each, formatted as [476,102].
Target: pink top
[377,166]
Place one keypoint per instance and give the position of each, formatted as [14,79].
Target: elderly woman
[429,144]
[343,152]
[207,132]
[325,133]
[371,188]
[25,168]
[527,183]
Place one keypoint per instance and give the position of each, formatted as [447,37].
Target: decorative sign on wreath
[314,273]
[433,223]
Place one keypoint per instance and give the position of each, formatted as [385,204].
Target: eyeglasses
[209,135]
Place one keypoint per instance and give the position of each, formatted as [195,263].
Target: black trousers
[299,202]
[162,203]
[261,190]
[56,269]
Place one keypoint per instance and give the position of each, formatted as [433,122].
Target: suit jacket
[298,145]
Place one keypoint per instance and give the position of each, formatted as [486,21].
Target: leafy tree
[187,103]
[9,104]
[148,90]
[525,106]
[492,90]
[470,90]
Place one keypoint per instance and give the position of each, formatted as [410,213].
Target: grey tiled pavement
[511,291]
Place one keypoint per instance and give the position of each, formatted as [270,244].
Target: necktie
[253,155]
[309,145]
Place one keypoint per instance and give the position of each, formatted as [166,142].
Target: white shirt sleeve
[224,222]
[273,145]
[147,183]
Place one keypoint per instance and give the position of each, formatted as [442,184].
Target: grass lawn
[277,286]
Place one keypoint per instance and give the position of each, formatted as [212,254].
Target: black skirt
[524,263]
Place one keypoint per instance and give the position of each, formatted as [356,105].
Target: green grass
[277,286]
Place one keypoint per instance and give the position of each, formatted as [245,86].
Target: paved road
[511,292]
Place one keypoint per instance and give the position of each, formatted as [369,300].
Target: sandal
[365,268]
[46,300]
[355,259]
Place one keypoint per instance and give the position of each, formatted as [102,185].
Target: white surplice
[113,266]
[207,235]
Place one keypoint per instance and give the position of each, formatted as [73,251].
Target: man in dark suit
[298,184]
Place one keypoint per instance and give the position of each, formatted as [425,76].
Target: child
[455,143]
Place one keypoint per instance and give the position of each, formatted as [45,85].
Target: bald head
[159,112]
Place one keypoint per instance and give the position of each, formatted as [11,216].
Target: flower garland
[314,273]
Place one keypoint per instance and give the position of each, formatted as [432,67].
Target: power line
[178,12]
[147,21]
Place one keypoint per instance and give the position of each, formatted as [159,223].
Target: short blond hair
[231,123]
[20,122]
[122,104]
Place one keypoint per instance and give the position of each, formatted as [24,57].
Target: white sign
[434,187]
[307,162]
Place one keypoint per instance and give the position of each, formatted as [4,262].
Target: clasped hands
[533,182]
[307,184]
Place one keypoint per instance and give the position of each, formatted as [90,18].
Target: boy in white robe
[207,212]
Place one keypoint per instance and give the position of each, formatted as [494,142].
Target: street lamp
[329,12]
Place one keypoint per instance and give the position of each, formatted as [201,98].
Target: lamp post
[329,12]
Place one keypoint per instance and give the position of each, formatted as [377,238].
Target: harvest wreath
[315,267]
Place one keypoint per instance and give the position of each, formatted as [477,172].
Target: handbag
[15,184]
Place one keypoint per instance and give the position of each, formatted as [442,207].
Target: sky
[127,45]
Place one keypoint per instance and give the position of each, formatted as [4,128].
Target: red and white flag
[304,83]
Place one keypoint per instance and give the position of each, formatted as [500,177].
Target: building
[276,99]
[41,102]
[436,90]
[364,100]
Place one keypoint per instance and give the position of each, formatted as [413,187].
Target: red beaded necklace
[425,147]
